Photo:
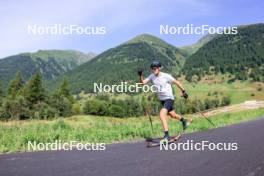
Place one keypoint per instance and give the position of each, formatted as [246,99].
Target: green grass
[238,91]
[15,135]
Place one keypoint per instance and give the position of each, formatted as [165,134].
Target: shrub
[207,104]
[226,101]
[215,103]
[76,108]
[116,111]
[231,80]
[62,105]
[95,107]
[43,111]
[15,109]
[103,97]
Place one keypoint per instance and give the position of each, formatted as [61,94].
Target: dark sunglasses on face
[154,68]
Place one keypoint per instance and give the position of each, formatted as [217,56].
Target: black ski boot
[165,139]
[185,123]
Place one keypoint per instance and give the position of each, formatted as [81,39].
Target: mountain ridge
[122,62]
[50,63]
[241,55]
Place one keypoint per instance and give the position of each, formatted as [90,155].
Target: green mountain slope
[191,49]
[122,62]
[50,63]
[241,55]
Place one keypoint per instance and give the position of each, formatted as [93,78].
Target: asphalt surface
[134,159]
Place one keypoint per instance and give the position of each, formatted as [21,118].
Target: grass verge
[14,135]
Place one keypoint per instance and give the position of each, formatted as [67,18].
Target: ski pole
[150,120]
[149,112]
[200,112]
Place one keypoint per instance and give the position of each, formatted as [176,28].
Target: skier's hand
[140,72]
[184,94]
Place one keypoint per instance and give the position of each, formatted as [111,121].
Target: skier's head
[155,67]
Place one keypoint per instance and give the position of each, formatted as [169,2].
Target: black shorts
[167,104]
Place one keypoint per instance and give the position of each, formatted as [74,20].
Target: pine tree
[1,94]
[15,86]
[34,91]
[1,90]
[62,100]
[64,90]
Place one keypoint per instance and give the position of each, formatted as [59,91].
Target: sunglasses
[154,68]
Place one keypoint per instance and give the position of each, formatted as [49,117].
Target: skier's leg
[185,122]
[174,115]
[163,115]
[163,119]
[167,106]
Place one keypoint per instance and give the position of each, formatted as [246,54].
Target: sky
[122,20]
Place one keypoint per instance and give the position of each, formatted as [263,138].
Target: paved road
[134,159]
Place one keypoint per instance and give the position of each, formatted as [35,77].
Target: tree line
[241,56]
[31,100]
[103,105]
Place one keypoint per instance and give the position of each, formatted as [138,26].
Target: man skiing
[163,82]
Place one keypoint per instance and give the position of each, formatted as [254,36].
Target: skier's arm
[141,78]
[178,84]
